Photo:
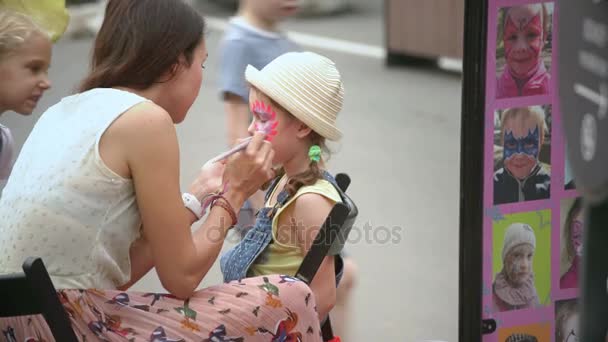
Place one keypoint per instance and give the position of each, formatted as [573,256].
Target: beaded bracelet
[221,201]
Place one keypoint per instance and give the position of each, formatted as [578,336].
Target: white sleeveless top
[63,204]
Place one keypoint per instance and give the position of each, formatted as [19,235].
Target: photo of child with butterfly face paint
[573,221]
[522,261]
[523,50]
[522,154]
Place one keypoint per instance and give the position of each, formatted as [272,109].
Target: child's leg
[340,313]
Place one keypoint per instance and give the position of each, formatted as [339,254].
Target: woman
[95,193]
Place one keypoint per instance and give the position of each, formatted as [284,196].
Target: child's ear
[303,130]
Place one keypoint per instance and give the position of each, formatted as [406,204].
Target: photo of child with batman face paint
[522,144]
[523,51]
[514,287]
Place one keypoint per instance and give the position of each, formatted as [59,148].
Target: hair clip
[314,153]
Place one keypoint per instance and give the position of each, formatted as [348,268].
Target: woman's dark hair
[141,40]
[576,208]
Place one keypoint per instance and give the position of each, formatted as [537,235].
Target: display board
[531,215]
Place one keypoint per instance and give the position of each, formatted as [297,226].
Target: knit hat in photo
[517,234]
[307,85]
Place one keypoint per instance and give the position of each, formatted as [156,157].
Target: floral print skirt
[267,308]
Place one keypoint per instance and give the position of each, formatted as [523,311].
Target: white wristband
[192,203]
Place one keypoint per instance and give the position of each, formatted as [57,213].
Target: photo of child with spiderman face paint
[514,286]
[567,321]
[523,51]
[571,242]
[523,153]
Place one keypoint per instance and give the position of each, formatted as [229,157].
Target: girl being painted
[524,36]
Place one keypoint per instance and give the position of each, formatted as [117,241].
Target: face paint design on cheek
[268,117]
[523,42]
[528,145]
[534,34]
[577,237]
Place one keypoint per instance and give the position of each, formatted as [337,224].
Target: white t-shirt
[63,204]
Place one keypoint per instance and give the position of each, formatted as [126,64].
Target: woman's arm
[182,258]
[141,261]
[306,215]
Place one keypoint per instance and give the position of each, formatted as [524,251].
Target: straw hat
[307,85]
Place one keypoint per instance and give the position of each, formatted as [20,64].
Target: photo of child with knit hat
[522,154]
[539,332]
[523,50]
[522,261]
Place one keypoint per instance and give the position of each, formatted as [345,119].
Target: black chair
[330,240]
[31,293]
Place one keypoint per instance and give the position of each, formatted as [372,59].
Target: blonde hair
[15,29]
[534,112]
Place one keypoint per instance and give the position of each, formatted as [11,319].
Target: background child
[252,38]
[513,287]
[566,321]
[525,31]
[573,234]
[301,92]
[25,56]
[522,177]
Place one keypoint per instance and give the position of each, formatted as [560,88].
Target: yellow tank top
[286,258]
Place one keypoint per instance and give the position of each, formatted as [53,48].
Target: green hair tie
[314,153]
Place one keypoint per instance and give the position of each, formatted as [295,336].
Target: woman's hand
[208,180]
[247,171]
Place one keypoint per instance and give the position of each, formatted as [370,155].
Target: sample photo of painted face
[523,50]
[522,154]
[571,241]
[567,321]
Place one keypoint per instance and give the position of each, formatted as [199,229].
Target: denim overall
[236,262]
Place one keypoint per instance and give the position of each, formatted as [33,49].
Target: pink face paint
[523,42]
[268,119]
[577,236]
